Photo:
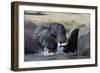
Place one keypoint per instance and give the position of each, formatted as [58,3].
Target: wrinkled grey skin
[82,41]
[43,38]
[47,35]
[29,28]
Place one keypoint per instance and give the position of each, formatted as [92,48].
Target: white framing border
[33,64]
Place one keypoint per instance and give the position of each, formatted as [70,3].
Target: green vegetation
[69,25]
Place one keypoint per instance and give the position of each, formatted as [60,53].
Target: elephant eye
[54,35]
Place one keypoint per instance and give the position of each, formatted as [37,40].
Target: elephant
[79,41]
[45,35]
[29,29]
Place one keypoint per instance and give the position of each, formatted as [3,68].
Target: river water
[57,56]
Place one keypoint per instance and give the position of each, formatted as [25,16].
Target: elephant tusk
[62,44]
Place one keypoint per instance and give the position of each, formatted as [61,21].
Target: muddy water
[60,56]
